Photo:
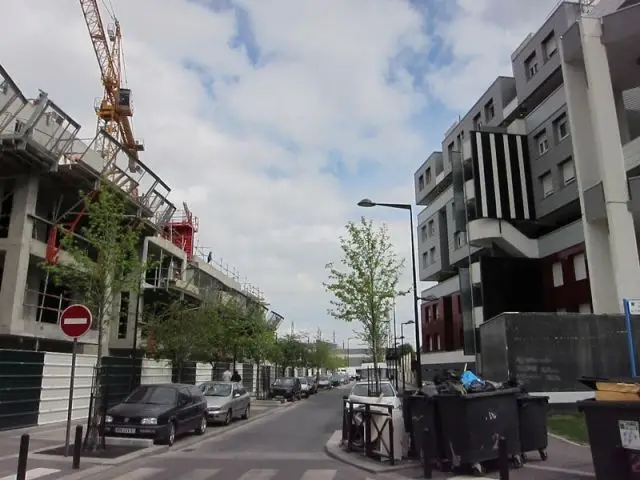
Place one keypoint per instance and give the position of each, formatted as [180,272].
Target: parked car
[365,392]
[158,411]
[313,384]
[324,383]
[287,388]
[305,388]
[226,401]
[335,380]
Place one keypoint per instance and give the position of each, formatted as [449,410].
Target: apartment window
[19,125]
[432,255]
[477,122]
[584,308]
[4,87]
[436,312]
[489,111]
[558,279]
[421,182]
[547,184]
[531,66]
[561,127]
[430,342]
[542,142]
[438,343]
[568,171]
[427,179]
[550,46]
[459,239]
[123,320]
[425,260]
[423,233]
[580,266]
[432,228]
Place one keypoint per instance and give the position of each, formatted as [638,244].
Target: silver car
[226,401]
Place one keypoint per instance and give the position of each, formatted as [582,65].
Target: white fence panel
[155,371]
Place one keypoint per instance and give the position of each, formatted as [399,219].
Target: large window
[568,171]
[580,266]
[558,278]
[547,184]
[542,142]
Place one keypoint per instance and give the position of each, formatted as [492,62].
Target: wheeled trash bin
[472,425]
[532,415]
[424,415]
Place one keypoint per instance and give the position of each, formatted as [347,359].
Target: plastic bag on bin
[469,380]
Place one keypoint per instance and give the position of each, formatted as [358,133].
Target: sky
[273,118]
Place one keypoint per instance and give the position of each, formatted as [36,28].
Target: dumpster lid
[488,393]
[591,381]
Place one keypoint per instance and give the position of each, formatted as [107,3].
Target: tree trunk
[93,423]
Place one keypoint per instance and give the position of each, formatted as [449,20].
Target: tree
[102,260]
[320,354]
[291,352]
[364,286]
[334,362]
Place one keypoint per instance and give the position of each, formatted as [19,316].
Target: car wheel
[227,418]
[171,435]
[245,415]
[203,425]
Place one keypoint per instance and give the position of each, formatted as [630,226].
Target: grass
[571,426]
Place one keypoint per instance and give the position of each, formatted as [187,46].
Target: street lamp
[348,352]
[365,202]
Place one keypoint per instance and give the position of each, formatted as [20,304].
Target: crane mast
[115,108]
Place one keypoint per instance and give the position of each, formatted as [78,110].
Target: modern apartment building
[43,168]
[530,204]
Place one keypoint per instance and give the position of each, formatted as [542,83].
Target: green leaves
[364,284]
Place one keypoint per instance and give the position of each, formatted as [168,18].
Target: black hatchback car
[288,388]
[160,412]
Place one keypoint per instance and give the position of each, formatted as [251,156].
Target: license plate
[129,431]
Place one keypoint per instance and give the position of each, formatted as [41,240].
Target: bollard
[77,447]
[503,459]
[22,457]
[427,454]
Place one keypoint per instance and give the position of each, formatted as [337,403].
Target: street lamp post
[405,206]
[401,338]
[349,352]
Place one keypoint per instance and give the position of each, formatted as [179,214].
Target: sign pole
[630,305]
[70,408]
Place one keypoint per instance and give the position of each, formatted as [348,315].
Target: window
[428,315]
[436,312]
[430,342]
[427,179]
[584,308]
[580,266]
[542,142]
[438,344]
[547,184]
[477,122]
[550,46]
[421,182]
[432,255]
[423,233]
[558,279]
[531,66]
[561,125]
[489,111]
[459,239]
[123,320]
[568,171]
[425,260]
[432,228]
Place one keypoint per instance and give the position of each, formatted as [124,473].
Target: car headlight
[108,419]
[149,421]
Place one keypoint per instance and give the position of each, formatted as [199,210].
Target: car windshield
[311,379]
[323,379]
[153,395]
[216,389]
[366,390]
[284,381]
[303,381]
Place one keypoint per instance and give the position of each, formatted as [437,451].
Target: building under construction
[44,167]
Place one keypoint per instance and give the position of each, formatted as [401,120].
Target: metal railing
[368,428]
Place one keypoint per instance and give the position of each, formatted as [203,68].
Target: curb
[335,451]
[566,440]
[156,449]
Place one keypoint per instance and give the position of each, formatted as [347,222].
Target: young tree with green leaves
[99,261]
[364,284]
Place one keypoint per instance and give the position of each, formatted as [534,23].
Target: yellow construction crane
[115,108]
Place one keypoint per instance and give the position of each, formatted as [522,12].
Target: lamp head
[365,202]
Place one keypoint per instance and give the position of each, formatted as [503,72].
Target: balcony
[489,231]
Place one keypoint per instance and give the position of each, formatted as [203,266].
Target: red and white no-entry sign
[75,320]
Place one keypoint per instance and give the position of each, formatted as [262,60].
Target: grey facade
[456,229]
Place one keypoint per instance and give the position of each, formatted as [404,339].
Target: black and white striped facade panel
[502,176]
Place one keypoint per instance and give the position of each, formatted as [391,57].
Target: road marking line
[259,474]
[317,474]
[561,470]
[33,473]
[200,474]
[139,474]
[76,321]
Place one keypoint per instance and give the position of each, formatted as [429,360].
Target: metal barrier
[362,433]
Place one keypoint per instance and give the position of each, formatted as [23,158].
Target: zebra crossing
[144,473]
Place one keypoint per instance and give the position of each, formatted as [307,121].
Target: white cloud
[321,86]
